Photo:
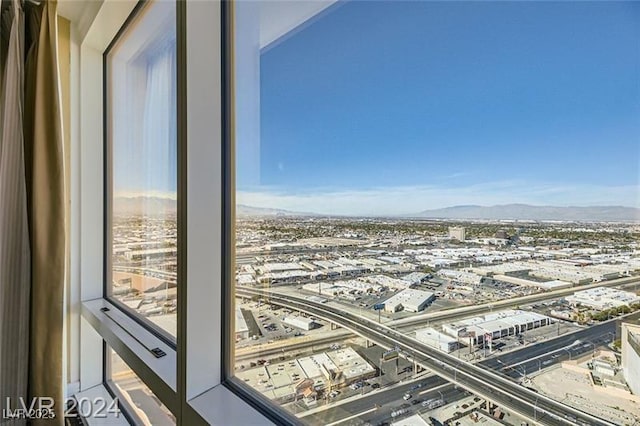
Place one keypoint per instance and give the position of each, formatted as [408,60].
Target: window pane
[138,396]
[141,84]
[430,188]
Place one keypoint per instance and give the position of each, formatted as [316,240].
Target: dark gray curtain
[15,263]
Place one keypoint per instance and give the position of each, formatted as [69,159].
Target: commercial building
[460,276]
[545,285]
[385,281]
[300,322]
[409,300]
[457,233]
[603,298]
[157,253]
[416,278]
[495,325]
[279,267]
[336,368]
[415,420]
[435,339]
[631,355]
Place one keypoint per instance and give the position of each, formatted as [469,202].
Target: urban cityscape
[346,320]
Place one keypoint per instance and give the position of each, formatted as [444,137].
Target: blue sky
[395,107]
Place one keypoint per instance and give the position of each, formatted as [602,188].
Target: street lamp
[524,371]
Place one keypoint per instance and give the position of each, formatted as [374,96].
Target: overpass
[510,303]
[487,384]
[448,314]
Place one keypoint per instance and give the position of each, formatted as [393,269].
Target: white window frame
[190,381]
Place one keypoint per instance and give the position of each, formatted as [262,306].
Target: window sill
[220,406]
[95,394]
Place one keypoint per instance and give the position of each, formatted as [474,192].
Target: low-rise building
[603,298]
[409,300]
[545,285]
[300,322]
[432,337]
[496,325]
[415,277]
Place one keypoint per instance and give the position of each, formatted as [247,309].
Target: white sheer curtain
[158,124]
[14,232]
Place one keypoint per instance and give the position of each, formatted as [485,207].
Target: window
[142,166]
[397,160]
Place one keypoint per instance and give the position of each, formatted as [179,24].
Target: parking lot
[265,323]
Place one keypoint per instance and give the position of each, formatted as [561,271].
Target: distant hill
[151,206]
[251,211]
[529,212]
[159,206]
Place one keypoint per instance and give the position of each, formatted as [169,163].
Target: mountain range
[161,206]
[529,212]
[149,206]
[244,210]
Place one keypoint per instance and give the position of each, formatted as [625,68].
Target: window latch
[157,352]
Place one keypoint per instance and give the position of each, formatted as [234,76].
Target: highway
[515,363]
[402,324]
[510,303]
[269,349]
[490,385]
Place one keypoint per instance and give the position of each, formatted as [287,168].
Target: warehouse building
[409,300]
[148,254]
[545,285]
[300,322]
[603,298]
[435,339]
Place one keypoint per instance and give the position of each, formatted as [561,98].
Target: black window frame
[107,221]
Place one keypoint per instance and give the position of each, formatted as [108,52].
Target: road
[488,384]
[526,359]
[456,313]
[507,303]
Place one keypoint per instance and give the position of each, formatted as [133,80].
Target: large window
[142,166]
[423,187]
[372,211]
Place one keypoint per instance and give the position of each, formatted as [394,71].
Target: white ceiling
[278,18]
[281,18]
